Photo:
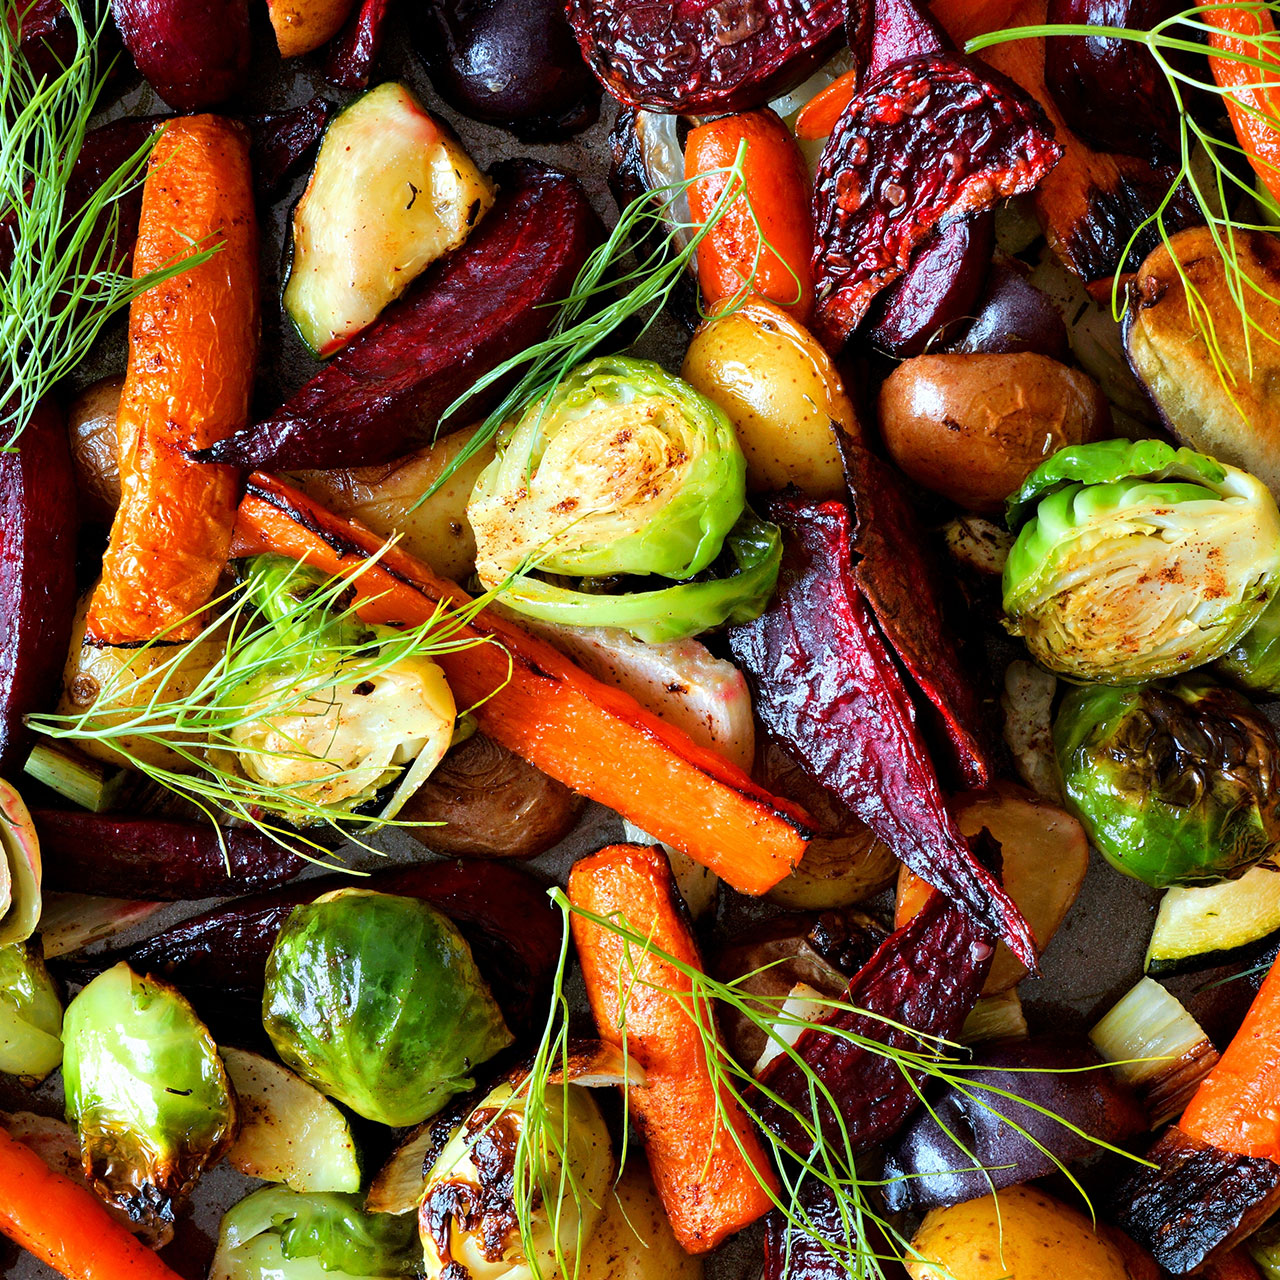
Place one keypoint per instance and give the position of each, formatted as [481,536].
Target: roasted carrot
[1237,1106]
[536,702]
[818,116]
[192,346]
[707,1162]
[964,19]
[1252,94]
[64,1224]
[777,184]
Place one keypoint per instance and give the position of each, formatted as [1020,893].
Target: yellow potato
[781,393]
[633,1241]
[1034,1237]
[304,25]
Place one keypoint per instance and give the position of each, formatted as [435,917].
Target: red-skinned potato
[973,427]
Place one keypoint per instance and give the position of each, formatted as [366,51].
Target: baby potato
[95,449]
[1033,1237]
[972,427]
[781,392]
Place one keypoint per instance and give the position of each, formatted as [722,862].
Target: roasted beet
[383,394]
[1006,1141]
[796,1250]
[930,141]
[1111,91]
[352,54]
[1013,316]
[38,582]
[827,686]
[704,56]
[922,981]
[194,53]
[48,36]
[513,62]
[900,29]
[122,856]
[283,140]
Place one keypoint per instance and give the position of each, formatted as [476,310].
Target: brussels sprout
[1176,783]
[468,1217]
[1138,560]
[19,869]
[286,1235]
[30,1015]
[1254,663]
[376,1001]
[330,710]
[146,1091]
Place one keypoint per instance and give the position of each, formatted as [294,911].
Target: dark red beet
[194,53]
[792,1253]
[48,36]
[828,687]
[37,577]
[932,140]
[283,140]
[354,50]
[925,977]
[902,29]
[699,56]
[1013,315]
[384,393]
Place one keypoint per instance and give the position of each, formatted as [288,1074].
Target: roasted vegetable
[353,53]
[979,1136]
[376,1000]
[304,25]
[20,869]
[30,1015]
[1013,316]
[95,448]
[147,1092]
[1254,663]
[37,590]
[634,1240]
[1137,560]
[282,140]
[390,193]
[973,427]
[1202,926]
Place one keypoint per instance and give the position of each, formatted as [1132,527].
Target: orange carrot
[536,702]
[1237,1106]
[64,1224]
[818,116]
[192,347]
[707,1162]
[964,19]
[777,183]
[1252,95]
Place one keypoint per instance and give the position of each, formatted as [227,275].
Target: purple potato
[1014,316]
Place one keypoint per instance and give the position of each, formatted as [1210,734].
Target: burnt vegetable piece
[827,685]
[700,56]
[124,856]
[282,140]
[37,587]
[385,392]
[931,140]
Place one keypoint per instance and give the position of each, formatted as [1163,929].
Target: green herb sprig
[62,285]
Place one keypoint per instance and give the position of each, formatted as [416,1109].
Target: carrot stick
[707,1162]
[777,183]
[192,347]
[1252,95]
[817,118]
[1237,1106]
[64,1224]
[536,702]
[964,19]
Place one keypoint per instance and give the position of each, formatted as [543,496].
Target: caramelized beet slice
[930,141]
[902,586]
[123,856]
[901,29]
[702,56]
[38,582]
[283,140]
[926,978]
[384,393]
[827,686]
[353,52]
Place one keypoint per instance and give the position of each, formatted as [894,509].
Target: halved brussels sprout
[468,1219]
[1176,782]
[146,1091]
[1138,560]
[30,1015]
[375,1000]
[1254,663]
[19,869]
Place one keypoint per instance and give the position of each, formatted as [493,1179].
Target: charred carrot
[536,702]
[777,185]
[64,1224]
[817,118]
[707,1162]
[1237,1106]
[1252,94]
[192,346]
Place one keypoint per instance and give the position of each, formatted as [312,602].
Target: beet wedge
[355,48]
[925,977]
[488,300]
[282,140]
[827,686]
[531,699]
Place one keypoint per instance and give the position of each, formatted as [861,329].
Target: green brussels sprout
[1137,560]
[1254,663]
[467,1217]
[375,1000]
[1176,782]
[146,1091]
[30,1015]
[327,710]
[278,1234]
